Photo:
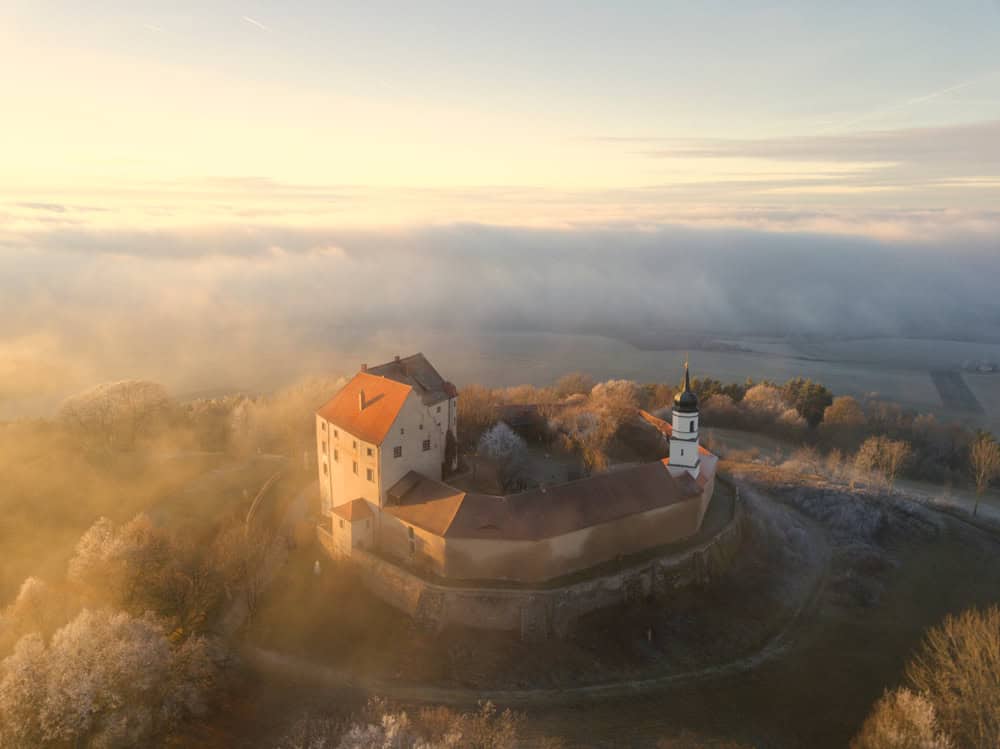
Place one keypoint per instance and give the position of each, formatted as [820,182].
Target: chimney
[364,367]
[361,401]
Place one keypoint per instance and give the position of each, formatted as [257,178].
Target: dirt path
[809,590]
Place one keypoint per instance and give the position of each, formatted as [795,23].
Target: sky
[201,187]
[523,113]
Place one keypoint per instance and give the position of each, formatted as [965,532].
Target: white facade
[684,446]
[350,468]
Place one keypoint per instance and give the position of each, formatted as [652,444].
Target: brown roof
[417,372]
[538,514]
[383,400]
[423,502]
[356,509]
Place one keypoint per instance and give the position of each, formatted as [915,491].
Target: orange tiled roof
[356,509]
[383,400]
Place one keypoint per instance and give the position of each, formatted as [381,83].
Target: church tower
[684,454]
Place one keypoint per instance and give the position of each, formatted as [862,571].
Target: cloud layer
[205,307]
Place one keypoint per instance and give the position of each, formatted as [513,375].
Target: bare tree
[902,720]
[895,453]
[958,669]
[985,459]
[115,414]
[242,554]
[882,458]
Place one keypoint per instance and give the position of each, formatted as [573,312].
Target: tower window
[397,452]
[325,469]
[682,451]
[371,474]
[427,445]
[324,447]
[322,425]
[369,452]
[336,454]
[355,466]
[691,426]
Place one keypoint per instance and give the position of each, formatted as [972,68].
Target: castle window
[322,425]
[355,444]
[421,427]
[369,452]
[370,474]
[439,409]
[355,466]
[336,455]
[324,446]
[402,430]
[409,531]
[397,452]
[325,469]
[691,426]
[427,445]
[682,451]
[336,433]
[341,522]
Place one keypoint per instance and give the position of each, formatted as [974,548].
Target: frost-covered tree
[105,680]
[507,451]
[114,415]
[141,568]
[35,609]
[882,458]
[958,669]
[379,727]
[902,720]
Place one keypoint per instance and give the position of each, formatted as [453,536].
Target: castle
[387,439]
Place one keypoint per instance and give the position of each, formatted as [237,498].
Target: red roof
[356,509]
[383,400]
[538,514]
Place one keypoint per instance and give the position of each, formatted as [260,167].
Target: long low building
[384,446]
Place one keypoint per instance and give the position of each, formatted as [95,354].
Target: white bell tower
[684,455]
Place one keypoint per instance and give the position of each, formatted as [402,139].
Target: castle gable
[367,406]
[417,372]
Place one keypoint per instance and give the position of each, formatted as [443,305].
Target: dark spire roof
[686,401]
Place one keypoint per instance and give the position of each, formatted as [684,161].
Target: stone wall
[538,613]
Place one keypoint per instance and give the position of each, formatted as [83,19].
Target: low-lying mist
[249,308]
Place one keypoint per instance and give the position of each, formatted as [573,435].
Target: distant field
[955,393]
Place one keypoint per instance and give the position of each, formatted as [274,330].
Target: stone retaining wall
[538,613]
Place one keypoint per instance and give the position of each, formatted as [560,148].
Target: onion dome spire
[686,401]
